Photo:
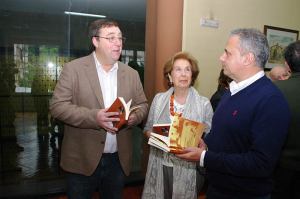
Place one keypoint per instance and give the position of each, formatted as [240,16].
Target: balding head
[279,73]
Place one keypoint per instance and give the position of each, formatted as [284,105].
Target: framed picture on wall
[278,39]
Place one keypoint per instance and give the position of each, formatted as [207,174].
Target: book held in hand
[124,109]
[161,129]
[182,133]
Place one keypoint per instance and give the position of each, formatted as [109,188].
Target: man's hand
[105,119]
[202,144]
[132,120]
[191,154]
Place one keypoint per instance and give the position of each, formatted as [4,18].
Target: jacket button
[102,142]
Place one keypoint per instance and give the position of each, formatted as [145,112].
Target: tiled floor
[130,192]
[30,163]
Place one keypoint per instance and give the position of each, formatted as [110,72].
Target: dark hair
[96,26]
[253,41]
[292,56]
[181,55]
[224,80]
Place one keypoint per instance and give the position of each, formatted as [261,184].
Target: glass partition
[36,39]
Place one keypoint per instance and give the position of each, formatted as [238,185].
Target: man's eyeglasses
[113,39]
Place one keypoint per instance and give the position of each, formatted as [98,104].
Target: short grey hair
[254,41]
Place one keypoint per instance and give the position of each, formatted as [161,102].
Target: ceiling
[129,10]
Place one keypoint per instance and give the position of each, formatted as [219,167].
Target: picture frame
[278,39]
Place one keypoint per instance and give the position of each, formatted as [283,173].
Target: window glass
[36,39]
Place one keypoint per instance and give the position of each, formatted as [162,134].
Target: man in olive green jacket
[287,174]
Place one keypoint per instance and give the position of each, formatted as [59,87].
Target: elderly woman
[167,175]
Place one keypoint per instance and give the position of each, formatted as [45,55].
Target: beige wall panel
[207,44]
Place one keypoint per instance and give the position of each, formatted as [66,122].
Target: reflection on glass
[36,40]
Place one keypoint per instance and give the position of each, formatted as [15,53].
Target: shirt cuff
[202,158]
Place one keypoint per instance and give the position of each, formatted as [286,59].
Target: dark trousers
[286,184]
[213,193]
[168,182]
[108,178]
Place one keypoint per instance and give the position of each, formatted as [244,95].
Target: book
[124,109]
[161,129]
[182,133]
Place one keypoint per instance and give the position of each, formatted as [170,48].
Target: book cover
[182,133]
[124,109]
[161,129]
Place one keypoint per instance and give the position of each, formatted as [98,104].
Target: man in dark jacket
[287,174]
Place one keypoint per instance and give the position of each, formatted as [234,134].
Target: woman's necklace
[172,112]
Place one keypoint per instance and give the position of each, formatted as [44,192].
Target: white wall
[207,44]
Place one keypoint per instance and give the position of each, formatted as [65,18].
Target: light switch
[209,23]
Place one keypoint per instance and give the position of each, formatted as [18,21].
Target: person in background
[168,176]
[40,91]
[279,73]
[94,154]
[249,126]
[223,85]
[138,68]
[287,173]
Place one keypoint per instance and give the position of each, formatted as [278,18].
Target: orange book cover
[124,109]
[183,133]
[161,129]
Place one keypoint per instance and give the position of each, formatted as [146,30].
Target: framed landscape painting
[278,39]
